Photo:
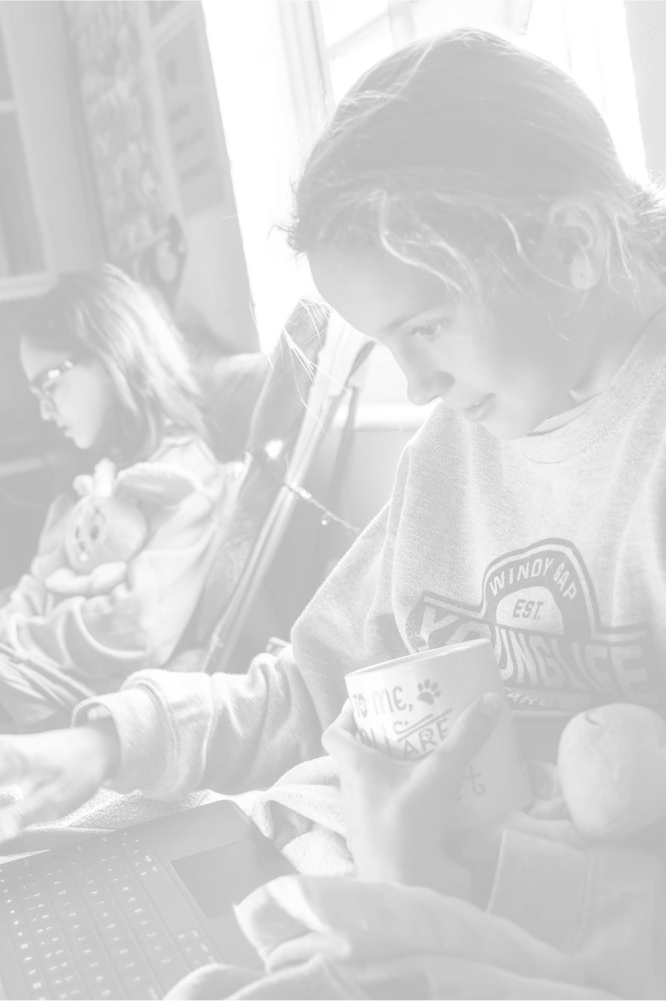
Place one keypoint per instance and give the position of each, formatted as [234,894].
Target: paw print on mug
[428,691]
[360,704]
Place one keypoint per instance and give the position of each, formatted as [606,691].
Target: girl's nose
[422,388]
[46,410]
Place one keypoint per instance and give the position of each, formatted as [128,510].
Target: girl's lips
[480,410]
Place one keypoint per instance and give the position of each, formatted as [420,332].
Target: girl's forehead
[373,292]
[37,360]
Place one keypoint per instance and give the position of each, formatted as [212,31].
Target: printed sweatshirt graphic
[540,611]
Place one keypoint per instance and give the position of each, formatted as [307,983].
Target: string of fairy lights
[270,451]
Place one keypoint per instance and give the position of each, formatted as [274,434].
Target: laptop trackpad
[226,874]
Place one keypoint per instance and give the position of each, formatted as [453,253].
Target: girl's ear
[574,244]
[151,483]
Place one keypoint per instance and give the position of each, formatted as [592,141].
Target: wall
[646,26]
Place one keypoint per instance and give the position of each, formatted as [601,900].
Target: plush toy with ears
[108,526]
[612,770]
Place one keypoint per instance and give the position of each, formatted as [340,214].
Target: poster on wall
[190,120]
[158,9]
[119,118]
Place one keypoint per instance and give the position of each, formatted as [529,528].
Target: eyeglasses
[42,388]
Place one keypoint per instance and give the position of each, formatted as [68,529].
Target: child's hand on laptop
[56,771]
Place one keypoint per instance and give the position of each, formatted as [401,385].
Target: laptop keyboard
[99,921]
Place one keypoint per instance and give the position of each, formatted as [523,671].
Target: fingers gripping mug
[406,707]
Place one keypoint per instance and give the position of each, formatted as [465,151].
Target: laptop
[127,914]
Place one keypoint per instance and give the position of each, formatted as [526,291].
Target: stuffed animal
[612,770]
[108,527]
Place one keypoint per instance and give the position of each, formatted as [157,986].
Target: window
[588,40]
[355,36]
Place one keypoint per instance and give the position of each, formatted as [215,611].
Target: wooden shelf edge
[24,287]
[31,464]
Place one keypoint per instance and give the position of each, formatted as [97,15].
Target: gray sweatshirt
[551,545]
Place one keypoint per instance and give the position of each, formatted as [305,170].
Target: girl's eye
[433,329]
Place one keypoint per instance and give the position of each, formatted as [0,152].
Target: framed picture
[119,119]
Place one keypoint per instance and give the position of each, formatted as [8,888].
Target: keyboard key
[136,979]
[113,943]
[98,981]
[68,986]
[108,992]
[95,894]
[44,938]
[157,950]
[27,954]
[54,955]
[141,920]
[142,987]
[88,952]
[106,914]
[114,930]
[132,966]
[153,935]
[78,934]
[94,964]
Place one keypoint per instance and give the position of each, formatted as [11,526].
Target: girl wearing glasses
[109,369]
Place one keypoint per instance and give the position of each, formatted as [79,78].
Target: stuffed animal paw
[66,583]
[108,526]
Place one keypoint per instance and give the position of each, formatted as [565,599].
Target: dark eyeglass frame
[42,388]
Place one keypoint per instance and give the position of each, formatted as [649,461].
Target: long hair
[447,154]
[104,315]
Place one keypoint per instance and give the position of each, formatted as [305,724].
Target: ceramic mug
[406,707]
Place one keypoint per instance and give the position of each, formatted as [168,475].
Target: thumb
[467,736]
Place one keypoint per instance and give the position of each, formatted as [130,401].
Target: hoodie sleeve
[243,731]
[79,646]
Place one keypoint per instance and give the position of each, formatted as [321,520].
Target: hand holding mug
[398,812]
[406,708]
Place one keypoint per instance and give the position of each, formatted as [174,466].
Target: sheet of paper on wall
[194,133]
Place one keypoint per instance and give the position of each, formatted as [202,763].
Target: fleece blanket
[301,815]
[336,937]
